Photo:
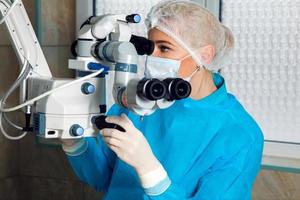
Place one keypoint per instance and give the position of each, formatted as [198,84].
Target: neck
[202,84]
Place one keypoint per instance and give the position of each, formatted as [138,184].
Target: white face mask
[157,67]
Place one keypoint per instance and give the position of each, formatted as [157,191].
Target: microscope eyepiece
[151,89]
[143,45]
[177,89]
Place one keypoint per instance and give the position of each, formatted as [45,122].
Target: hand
[130,146]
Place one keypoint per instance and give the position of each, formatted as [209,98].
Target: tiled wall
[30,171]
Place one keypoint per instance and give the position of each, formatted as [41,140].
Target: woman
[203,147]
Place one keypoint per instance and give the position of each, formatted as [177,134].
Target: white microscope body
[68,113]
[104,43]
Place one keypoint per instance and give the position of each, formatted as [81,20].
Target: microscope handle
[100,123]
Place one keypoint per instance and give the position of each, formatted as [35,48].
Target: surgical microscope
[73,108]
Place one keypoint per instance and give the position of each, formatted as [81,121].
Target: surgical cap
[192,27]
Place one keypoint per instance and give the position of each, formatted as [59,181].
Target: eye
[164,49]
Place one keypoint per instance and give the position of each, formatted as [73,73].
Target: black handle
[100,123]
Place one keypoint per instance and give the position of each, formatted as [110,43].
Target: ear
[207,54]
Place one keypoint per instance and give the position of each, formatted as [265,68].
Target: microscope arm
[24,41]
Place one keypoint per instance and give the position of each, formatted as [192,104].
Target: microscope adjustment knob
[134,18]
[76,130]
[88,88]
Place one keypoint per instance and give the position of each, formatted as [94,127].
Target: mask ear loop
[188,55]
[198,68]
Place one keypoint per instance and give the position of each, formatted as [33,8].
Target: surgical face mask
[157,67]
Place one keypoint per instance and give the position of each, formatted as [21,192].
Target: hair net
[192,27]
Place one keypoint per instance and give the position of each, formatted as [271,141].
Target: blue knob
[137,18]
[76,130]
[134,18]
[88,88]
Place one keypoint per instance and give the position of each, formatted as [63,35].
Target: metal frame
[281,156]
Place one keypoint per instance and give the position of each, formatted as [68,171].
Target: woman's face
[166,47]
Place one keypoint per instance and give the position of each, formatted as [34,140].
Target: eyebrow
[164,41]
